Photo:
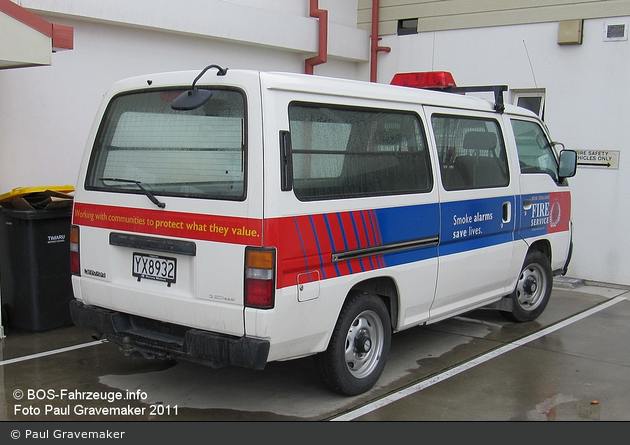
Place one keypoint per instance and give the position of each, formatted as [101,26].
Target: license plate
[154,267]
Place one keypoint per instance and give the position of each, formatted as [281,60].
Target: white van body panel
[345,184]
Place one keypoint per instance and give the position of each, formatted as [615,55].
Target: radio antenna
[530,64]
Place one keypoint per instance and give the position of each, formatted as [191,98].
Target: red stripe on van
[350,237]
[337,242]
[362,240]
[306,243]
[324,245]
[559,212]
[227,229]
[374,235]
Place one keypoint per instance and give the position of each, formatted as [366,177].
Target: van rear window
[199,153]
[344,152]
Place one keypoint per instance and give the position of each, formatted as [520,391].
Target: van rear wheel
[533,289]
[359,346]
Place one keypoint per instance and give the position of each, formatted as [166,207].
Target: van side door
[477,202]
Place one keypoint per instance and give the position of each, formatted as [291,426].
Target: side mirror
[557,146]
[568,164]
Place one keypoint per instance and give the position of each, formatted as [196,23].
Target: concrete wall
[586,108]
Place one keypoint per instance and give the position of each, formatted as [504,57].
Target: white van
[234,217]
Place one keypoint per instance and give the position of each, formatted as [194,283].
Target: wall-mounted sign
[598,158]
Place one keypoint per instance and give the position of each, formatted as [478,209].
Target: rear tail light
[75,267]
[260,272]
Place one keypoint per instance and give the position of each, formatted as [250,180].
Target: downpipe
[322,56]
[374,47]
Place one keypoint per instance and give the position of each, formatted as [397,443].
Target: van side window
[535,152]
[343,152]
[472,152]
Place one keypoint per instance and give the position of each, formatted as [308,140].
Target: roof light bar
[443,80]
[428,79]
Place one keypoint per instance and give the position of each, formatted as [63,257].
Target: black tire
[533,289]
[359,346]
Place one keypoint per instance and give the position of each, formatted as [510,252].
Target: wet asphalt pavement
[572,364]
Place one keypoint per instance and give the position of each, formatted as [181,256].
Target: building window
[407,26]
[533,100]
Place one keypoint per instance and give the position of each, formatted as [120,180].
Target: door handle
[507,212]
[527,204]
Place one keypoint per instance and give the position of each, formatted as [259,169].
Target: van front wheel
[533,289]
[359,346]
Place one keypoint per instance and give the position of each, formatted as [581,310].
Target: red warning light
[429,79]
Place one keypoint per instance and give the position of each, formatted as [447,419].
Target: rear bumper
[150,338]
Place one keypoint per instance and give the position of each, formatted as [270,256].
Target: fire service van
[234,217]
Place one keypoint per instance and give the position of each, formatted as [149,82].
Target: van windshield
[198,153]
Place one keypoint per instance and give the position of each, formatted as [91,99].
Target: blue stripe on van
[474,224]
[408,223]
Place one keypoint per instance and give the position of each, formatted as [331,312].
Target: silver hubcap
[531,287]
[364,344]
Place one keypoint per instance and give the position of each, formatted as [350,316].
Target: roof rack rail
[499,103]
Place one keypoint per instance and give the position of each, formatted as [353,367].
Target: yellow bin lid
[19,192]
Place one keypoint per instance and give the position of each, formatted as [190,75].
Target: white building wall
[587,87]
[46,112]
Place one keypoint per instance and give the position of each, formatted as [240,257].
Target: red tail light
[75,267]
[260,272]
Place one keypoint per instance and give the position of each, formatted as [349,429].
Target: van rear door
[170,201]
